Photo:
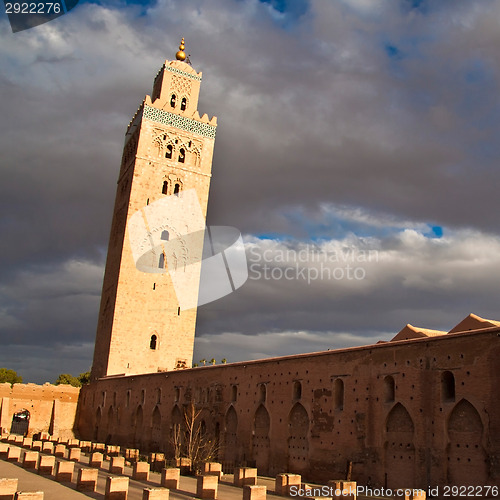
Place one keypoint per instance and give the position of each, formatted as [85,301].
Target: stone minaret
[168,150]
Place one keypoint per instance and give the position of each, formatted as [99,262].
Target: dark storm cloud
[357,122]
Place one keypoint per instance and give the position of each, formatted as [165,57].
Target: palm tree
[223,361]
[204,361]
[213,361]
[196,365]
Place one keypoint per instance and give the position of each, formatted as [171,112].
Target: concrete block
[60,451]
[18,439]
[29,495]
[64,471]
[284,481]
[157,461]
[245,475]
[131,454]
[30,459]
[96,459]
[14,454]
[36,446]
[11,438]
[155,494]
[4,450]
[73,443]
[8,487]
[44,436]
[46,465]
[116,488]
[112,450]
[99,447]
[212,469]
[207,487]
[254,492]
[27,442]
[85,446]
[117,465]
[415,494]
[185,466]
[348,489]
[170,478]
[48,447]
[335,486]
[87,480]
[140,471]
[75,454]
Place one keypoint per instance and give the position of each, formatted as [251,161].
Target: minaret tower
[168,149]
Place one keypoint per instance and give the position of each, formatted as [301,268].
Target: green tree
[223,361]
[67,379]
[10,376]
[213,361]
[84,378]
[204,361]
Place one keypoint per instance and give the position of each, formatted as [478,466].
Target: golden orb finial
[181,55]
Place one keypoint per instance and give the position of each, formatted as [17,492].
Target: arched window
[389,389]
[262,390]
[168,152]
[182,155]
[152,343]
[161,262]
[183,104]
[177,188]
[172,101]
[164,189]
[339,394]
[297,390]
[447,386]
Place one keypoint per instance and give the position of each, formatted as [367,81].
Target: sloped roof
[414,332]
[473,322]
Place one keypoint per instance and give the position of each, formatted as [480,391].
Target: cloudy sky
[357,152]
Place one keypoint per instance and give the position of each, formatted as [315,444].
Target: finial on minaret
[181,55]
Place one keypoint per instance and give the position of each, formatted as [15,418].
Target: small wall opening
[297,390]
[177,394]
[172,101]
[152,342]
[161,261]
[389,389]
[234,393]
[165,235]
[177,188]
[183,104]
[164,189]
[339,394]
[262,393]
[169,151]
[447,386]
[182,155]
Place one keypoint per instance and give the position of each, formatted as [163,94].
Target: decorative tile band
[183,73]
[173,120]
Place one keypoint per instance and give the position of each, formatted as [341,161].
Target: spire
[181,55]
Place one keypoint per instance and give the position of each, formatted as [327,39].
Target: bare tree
[196,445]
